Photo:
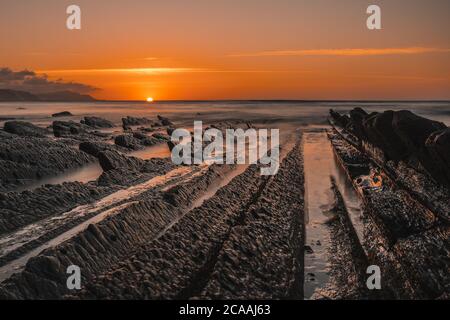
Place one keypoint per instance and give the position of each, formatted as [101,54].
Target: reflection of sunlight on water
[92,171]
[160,150]
[319,164]
[83,174]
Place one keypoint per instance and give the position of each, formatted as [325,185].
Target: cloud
[9,75]
[150,71]
[33,82]
[343,52]
[154,71]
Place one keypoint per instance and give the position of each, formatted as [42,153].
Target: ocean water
[185,112]
[285,115]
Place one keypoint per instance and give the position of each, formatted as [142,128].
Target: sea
[184,112]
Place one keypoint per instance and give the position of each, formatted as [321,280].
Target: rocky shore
[204,254]
[28,153]
[405,235]
[25,159]
[183,243]
[348,260]
[149,229]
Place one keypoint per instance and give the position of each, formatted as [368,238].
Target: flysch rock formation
[97,122]
[24,129]
[144,214]
[62,114]
[108,242]
[176,264]
[405,146]
[135,121]
[30,154]
[18,209]
[154,240]
[403,136]
[406,238]
[27,158]
[262,257]
[348,261]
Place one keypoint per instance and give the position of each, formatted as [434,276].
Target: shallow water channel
[92,171]
[319,165]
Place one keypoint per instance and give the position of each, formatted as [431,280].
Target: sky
[228,49]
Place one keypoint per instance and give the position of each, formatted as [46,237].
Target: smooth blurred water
[185,112]
[285,115]
[320,164]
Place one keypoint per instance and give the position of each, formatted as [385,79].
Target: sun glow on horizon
[150,99]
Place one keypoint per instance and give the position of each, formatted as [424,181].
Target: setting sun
[149,99]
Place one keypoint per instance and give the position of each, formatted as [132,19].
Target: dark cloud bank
[27,80]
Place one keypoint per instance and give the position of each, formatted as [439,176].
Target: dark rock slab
[402,215]
[438,146]
[174,263]
[98,248]
[179,263]
[25,129]
[414,130]
[97,122]
[357,117]
[405,239]
[146,140]
[401,136]
[18,209]
[165,121]
[26,159]
[127,171]
[380,132]
[93,148]
[161,136]
[128,141]
[67,128]
[62,114]
[425,258]
[263,256]
[110,160]
[135,121]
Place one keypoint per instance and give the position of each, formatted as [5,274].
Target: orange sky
[229,49]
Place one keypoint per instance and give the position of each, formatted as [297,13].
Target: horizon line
[275,100]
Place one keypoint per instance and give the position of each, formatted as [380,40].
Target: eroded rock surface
[407,240]
[134,121]
[25,159]
[105,244]
[25,129]
[438,146]
[97,122]
[62,114]
[65,128]
[18,209]
[263,255]
[128,141]
[165,121]
[182,262]
[348,261]
[402,136]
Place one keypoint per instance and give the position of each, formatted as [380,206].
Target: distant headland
[60,96]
